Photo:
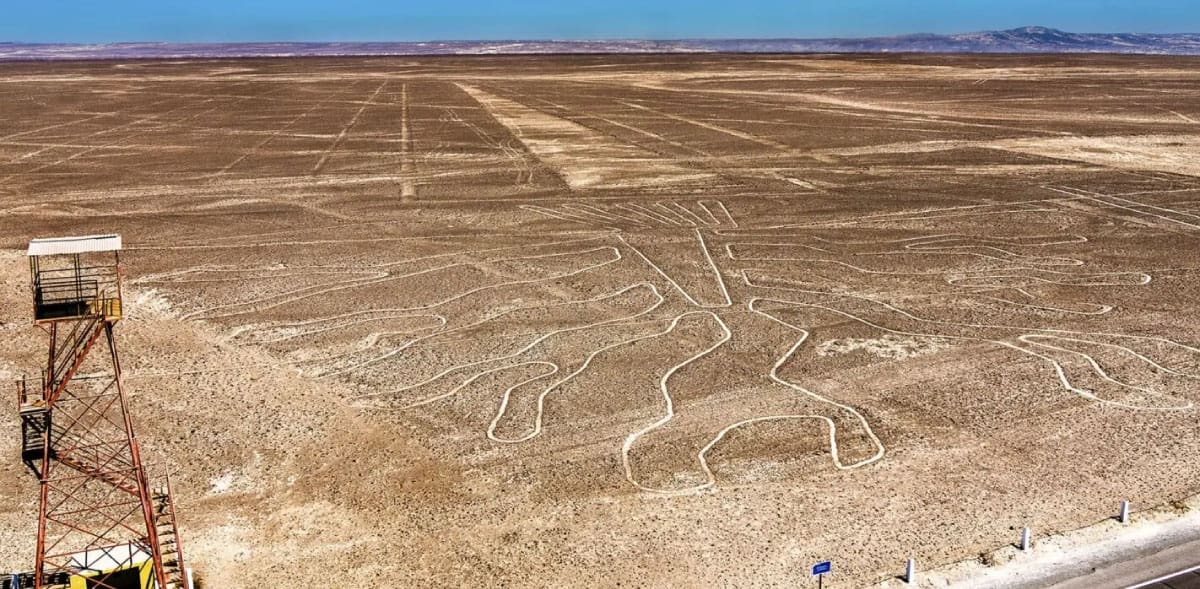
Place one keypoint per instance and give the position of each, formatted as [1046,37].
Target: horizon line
[596,39]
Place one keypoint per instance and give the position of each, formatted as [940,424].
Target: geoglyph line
[1099,199]
[341,136]
[291,331]
[715,222]
[1059,369]
[564,216]
[927,214]
[554,368]
[107,130]
[654,218]
[150,118]
[1190,349]
[263,143]
[682,220]
[1096,308]
[541,399]
[725,209]
[702,455]
[410,343]
[667,213]
[408,189]
[1131,205]
[262,303]
[583,157]
[716,270]
[678,286]
[538,340]
[668,402]
[647,211]
[711,127]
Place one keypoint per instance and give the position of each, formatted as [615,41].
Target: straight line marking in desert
[1064,380]
[675,284]
[119,127]
[480,289]
[715,269]
[266,140]
[1084,195]
[582,156]
[408,189]
[711,127]
[541,338]
[300,294]
[345,130]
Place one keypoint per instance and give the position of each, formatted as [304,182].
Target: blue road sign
[822,568]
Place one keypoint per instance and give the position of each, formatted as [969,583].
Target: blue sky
[94,21]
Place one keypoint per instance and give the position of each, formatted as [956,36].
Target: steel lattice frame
[95,497]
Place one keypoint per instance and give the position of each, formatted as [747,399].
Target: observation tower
[100,524]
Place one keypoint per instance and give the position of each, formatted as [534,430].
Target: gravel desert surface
[624,321]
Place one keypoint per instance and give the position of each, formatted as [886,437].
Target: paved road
[1188,580]
[1159,570]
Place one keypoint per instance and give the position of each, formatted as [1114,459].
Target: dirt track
[638,321]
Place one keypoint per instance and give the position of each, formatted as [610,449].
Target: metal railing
[76,291]
[22,394]
[71,351]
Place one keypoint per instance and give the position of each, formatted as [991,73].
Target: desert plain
[624,321]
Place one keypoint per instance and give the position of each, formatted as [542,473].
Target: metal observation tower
[100,524]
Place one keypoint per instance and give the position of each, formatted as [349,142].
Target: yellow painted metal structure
[110,308]
[145,576]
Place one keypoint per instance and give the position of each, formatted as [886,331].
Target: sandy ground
[640,321]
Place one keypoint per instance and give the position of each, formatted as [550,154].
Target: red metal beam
[91,459]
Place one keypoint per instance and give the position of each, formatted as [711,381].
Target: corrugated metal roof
[53,246]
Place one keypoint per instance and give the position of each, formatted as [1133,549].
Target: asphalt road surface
[1185,580]
[1175,568]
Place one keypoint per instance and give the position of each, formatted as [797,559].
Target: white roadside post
[1024,539]
[1124,516]
[910,572]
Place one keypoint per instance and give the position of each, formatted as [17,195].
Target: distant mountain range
[1023,40]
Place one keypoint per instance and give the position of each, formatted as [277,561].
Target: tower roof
[52,246]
